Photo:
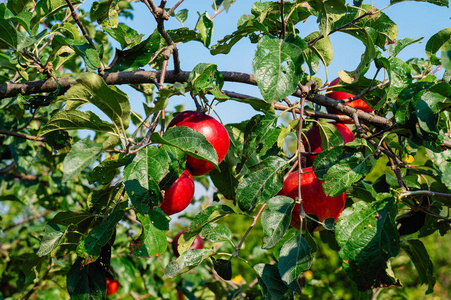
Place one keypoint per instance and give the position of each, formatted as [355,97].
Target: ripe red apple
[314,200]
[314,139]
[179,195]
[359,103]
[213,131]
[111,286]
[197,244]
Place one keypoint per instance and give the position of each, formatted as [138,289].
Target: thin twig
[27,220]
[23,136]
[238,247]
[174,7]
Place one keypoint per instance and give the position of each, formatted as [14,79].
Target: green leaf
[427,109]
[368,237]
[105,197]
[87,52]
[142,176]
[67,218]
[365,61]
[223,267]
[89,248]
[190,141]
[277,66]
[187,261]
[261,183]
[108,169]
[86,281]
[9,36]
[321,49]
[270,282]
[256,134]
[246,28]
[400,77]
[420,258]
[53,234]
[105,13]
[110,100]
[83,153]
[329,13]
[205,78]
[205,27]
[16,6]
[152,241]
[74,119]
[126,36]
[276,220]
[138,56]
[399,45]
[296,257]
[215,233]
[46,8]
[339,168]
[204,217]
[437,41]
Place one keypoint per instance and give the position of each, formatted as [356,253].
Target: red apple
[179,195]
[111,286]
[197,244]
[213,131]
[314,200]
[359,103]
[314,139]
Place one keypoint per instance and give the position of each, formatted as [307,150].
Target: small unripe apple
[179,195]
[359,103]
[111,286]
[314,200]
[213,131]
[313,136]
[197,244]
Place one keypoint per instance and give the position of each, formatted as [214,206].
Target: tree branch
[22,136]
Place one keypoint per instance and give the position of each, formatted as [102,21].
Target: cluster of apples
[181,192]
[314,200]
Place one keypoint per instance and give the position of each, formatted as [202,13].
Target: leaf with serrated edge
[270,282]
[276,220]
[262,182]
[112,101]
[89,249]
[74,119]
[215,232]
[339,168]
[152,241]
[277,66]
[142,176]
[204,217]
[420,258]
[53,234]
[368,237]
[189,140]
[187,261]
[296,257]
[82,154]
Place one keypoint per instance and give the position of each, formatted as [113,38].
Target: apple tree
[85,168]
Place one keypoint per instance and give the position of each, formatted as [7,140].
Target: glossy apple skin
[197,244]
[179,195]
[359,103]
[111,286]
[314,200]
[314,139]
[213,131]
